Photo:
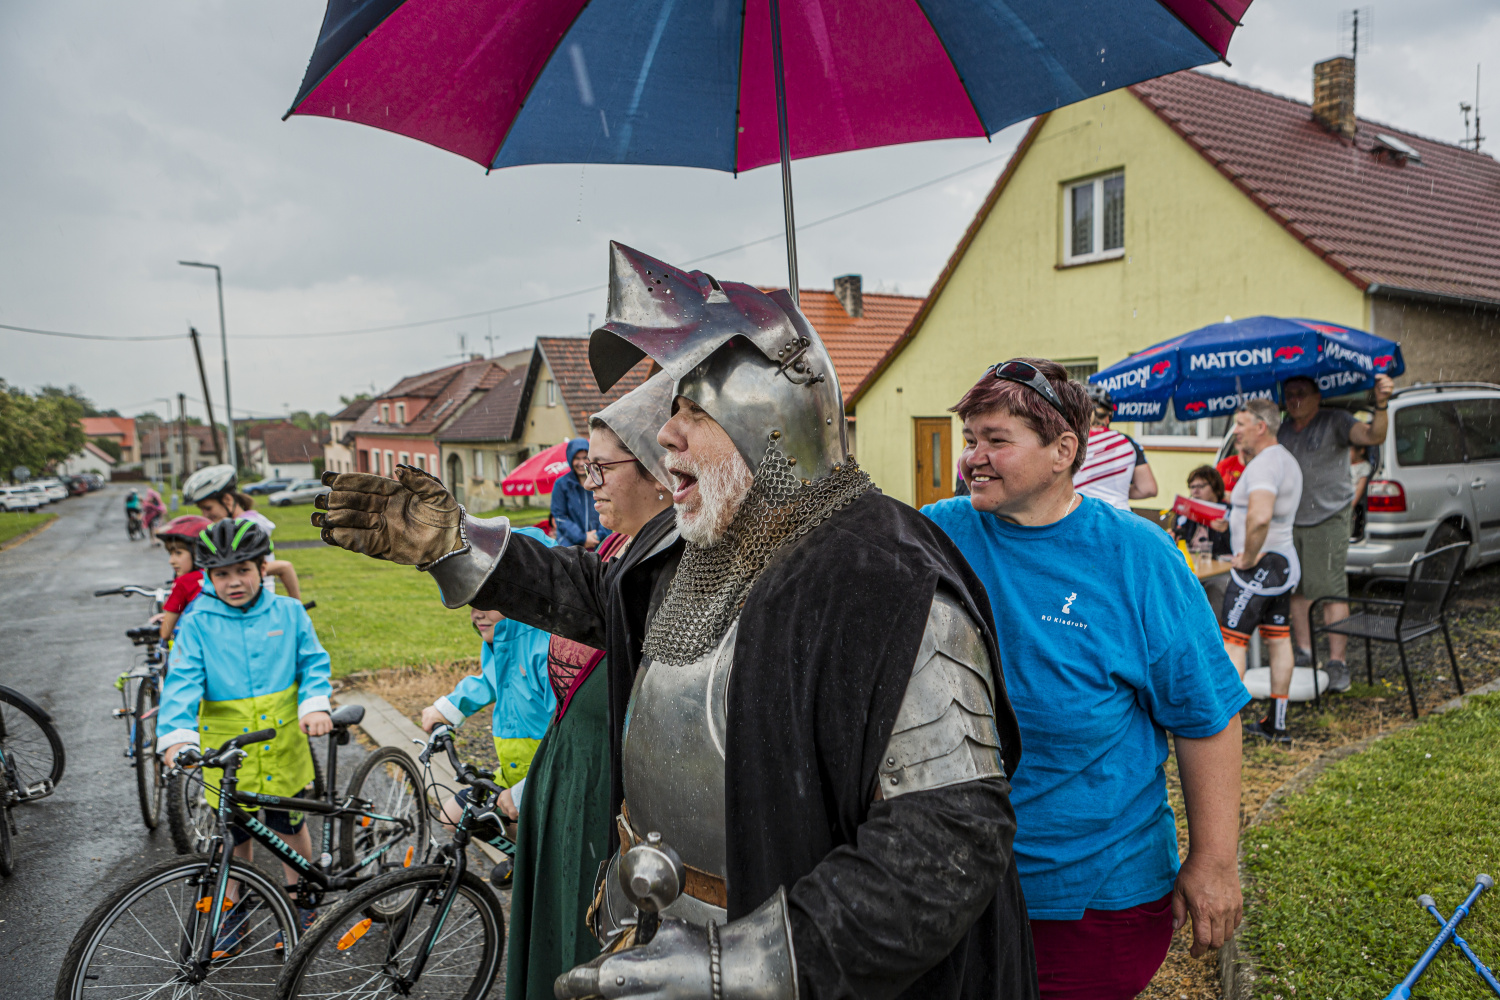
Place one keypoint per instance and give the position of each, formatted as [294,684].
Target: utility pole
[177,475]
[208,401]
[224,346]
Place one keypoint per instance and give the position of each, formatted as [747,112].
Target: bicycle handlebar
[130,589]
[189,756]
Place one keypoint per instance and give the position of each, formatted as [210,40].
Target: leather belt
[701,885]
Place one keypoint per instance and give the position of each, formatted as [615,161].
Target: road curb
[384,724]
[27,536]
[1238,969]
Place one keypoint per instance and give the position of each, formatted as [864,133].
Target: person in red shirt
[178,536]
[1230,468]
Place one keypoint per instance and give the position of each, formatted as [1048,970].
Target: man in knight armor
[812,737]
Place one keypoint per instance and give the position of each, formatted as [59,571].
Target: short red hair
[991,393]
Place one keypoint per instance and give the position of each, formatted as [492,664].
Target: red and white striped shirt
[1108,467]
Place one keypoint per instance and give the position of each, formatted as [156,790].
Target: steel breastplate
[673,762]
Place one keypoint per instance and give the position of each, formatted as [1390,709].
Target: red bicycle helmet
[184,528]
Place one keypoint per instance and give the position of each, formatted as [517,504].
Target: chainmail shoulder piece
[706,595]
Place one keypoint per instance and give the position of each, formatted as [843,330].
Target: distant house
[120,430]
[400,425]
[89,458]
[1151,211]
[162,451]
[282,450]
[548,401]
[338,452]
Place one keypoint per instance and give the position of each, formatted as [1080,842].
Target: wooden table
[1216,568]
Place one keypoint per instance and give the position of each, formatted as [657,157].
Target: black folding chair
[1422,610]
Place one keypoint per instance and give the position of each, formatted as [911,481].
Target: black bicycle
[181,929]
[434,932]
[31,762]
[134,526]
[140,700]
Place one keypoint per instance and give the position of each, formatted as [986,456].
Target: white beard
[722,487]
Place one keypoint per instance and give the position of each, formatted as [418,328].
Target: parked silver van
[1437,479]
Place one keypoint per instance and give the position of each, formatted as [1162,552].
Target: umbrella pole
[786,156]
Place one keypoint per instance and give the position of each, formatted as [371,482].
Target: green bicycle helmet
[232,541]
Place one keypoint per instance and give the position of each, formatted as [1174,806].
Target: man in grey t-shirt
[1320,440]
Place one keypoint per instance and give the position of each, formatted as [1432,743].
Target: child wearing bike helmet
[180,537]
[247,659]
[213,491]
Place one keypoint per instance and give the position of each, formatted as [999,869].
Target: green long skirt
[563,836]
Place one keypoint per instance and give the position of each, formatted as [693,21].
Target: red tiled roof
[353,410]
[857,345]
[568,357]
[1431,227]
[447,388]
[286,443]
[159,440]
[493,415]
[111,426]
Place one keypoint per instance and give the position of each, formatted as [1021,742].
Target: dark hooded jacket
[914,897]
[573,514]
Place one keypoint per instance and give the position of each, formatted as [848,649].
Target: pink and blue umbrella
[1208,372]
[733,85]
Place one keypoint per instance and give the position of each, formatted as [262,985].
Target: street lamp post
[224,347]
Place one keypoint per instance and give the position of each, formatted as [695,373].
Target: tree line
[39,429]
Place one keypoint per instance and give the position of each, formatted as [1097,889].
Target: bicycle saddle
[348,715]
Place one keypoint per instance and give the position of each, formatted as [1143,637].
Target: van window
[1481,419]
[1428,435]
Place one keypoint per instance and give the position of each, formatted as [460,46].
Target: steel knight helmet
[749,358]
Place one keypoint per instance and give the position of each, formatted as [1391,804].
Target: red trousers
[1108,955]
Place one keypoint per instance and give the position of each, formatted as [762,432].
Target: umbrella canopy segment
[538,473]
[1208,372]
[691,82]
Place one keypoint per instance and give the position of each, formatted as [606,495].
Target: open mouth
[686,483]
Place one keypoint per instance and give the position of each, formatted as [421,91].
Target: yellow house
[1151,211]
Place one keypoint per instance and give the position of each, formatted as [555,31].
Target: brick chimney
[1333,95]
[850,294]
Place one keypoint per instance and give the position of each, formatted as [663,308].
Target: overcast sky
[136,134]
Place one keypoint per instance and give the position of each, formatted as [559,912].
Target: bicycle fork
[445,906]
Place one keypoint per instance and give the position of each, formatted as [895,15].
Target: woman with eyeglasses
[564,804]
[574,520]
[1108,645]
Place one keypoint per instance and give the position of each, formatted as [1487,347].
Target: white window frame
[390,463]
[1204,437]
[405,458]
[433,463]
[1068,257]
[478,465]
[420,461]
[400,413]
[385,413]
[551,392]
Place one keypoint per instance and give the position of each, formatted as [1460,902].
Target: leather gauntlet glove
[746,959]
[412,519]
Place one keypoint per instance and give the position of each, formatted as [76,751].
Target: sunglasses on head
[1027,374]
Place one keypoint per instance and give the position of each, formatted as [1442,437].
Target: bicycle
[31,762]
[140,698]
[439,918]
[157,933]
[134,526]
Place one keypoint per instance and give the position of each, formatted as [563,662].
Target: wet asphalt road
[63,647]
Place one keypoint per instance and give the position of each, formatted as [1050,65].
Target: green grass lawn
[1334,877]
[372,613]
[13,523]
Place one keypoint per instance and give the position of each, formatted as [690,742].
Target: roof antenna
[1349,22]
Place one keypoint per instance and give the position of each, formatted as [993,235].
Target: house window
[421,459]
[478,464]
[432,463]
[364,460]
[1094,219]
[1205,432]
[1079,369]
[385,413]
[400,413]
[405,458]
[500,468]
[551,393]
[390,463]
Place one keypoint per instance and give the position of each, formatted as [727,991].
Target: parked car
[37,492]
[20,498]
[267,486]
[54,487]
[300,491]
[77,485]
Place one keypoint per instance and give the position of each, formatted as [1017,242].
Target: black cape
[916,896]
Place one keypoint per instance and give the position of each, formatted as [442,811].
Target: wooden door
[934,455]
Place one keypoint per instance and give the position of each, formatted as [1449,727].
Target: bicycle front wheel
[33,750]
[347,954]
[7,859]
[144,939]
[192,821]
[149,780]
[389,786]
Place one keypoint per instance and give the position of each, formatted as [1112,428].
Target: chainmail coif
[706,595]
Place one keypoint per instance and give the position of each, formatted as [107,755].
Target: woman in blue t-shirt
[1108,644]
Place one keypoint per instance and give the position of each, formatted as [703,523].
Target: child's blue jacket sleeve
[313,670]
[472,693]
[182,689]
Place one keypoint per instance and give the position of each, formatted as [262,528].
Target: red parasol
[537,473]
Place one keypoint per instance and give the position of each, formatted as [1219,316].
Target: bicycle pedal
[119,713]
